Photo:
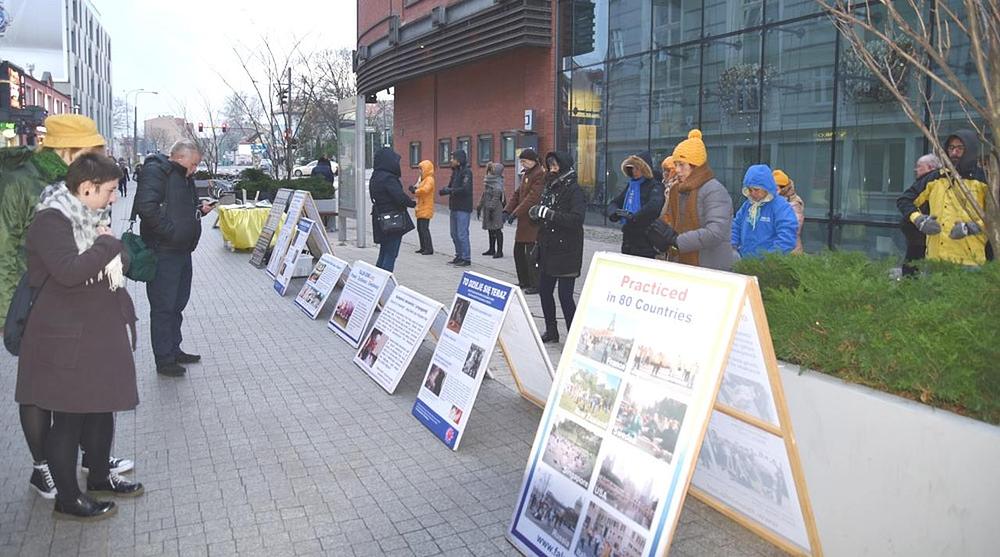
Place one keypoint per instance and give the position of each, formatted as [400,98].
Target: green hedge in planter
[933,338]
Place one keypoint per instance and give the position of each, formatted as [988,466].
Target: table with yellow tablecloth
[241,226]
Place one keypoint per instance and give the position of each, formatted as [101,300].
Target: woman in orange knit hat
[696,222]
[786,187]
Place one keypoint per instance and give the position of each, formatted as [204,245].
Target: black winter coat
[460,184]
[386,190]
[168,206]
[651,199]
[560,236]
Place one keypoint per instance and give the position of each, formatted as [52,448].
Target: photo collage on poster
[607,457]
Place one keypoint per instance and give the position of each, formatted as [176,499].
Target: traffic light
[282,96]
[201,127]
[224,127]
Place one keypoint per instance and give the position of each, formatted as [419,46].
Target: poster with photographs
[399,330]
[526,356]
[287,233]
[463,351]
[281,198]
[287,267]
[745,385]
[748,469]
[357,302]
[615,447]
[320,284]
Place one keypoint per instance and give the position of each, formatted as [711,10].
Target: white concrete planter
[326,205]
[889,476]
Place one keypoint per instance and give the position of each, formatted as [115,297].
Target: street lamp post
[135,120]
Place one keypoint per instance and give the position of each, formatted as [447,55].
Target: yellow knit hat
[691,150]
[67,131]
[781,178]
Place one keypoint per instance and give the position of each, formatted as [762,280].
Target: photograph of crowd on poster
[572,450]
[606,338]
[357,302]
[747,396]
[554,506]
[745,385]
[650,419]
[603,535]
[472,360]
[630,484]
[342,314]
[371,347]
[590,394]
[655,361]
[320,284]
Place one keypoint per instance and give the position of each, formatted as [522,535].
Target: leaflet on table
[634,389]
[460,358]
[287,267]
[287,231]
[745,386]
[357,301]
[399,330]
[320,284]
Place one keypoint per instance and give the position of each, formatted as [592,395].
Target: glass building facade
[769,81]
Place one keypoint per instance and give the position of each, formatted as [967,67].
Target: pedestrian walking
[560,214]
[123,181]
[24,175]
[424,190]
[388,199]
[916,242]
[459,192]
[490,208]
[766,222]
[637,205]
[76,356]
[695,225]
[167,204]
[525,197]
[786,187]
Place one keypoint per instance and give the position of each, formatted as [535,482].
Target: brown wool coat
[76,355]
[523,199]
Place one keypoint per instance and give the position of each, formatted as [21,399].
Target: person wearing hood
[387,197]
[786,187]
[954,232]
[525,197]
[766,222]
[459,192]
[424,190]
[490,208]
[638,205]
[559,214]
[167,204]
[695,226]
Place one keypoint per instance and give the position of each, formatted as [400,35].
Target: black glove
[928,224]
[506,217]
[539,212]
[627,215]
[413,189]
[963,229]
[445,191]
[661,235]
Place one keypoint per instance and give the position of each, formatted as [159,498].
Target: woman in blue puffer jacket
[765,222]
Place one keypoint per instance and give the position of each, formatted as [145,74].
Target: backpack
[17,313]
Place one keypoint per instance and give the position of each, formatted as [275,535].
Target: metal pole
[360,195]
[135,132]
[288,129]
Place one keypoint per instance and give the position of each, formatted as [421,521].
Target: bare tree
[926,37]
[158,139]
[329,80]
[121,125]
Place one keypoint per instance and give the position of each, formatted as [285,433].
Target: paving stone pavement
[276,444]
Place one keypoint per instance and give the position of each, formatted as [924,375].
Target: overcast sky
[179,48]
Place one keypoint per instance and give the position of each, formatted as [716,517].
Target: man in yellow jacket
[424,190]
[954,232]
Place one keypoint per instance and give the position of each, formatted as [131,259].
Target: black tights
[35,422]
[546,286]
[69,431]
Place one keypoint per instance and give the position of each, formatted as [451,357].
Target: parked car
[304,169]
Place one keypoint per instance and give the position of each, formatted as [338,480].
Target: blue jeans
[460,234]
[388,250]
[168,295]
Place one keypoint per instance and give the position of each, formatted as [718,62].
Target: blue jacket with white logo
[771,226]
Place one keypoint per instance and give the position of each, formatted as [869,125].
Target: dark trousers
[69,431]
[168,295]
[424,233]
[546,286]
[527,273]
[388,251]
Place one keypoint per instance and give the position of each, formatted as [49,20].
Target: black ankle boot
[493,242]
[84,509]
[499,238]
[551,334]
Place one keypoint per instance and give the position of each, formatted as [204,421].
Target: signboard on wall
[33,34]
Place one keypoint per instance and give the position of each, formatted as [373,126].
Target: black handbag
[17,313]
[394,222]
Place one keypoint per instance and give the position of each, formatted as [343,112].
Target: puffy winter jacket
[776,226]
[651,199]
[560,236]
[425,191]
[715,214]
[167,204]
[460,198]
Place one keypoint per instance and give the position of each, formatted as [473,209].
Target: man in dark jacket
[166,202]
[638,205]
[459,190]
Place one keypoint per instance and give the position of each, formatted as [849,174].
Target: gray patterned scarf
[85,222]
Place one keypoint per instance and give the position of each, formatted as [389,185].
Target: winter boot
[493,242]
[499,238]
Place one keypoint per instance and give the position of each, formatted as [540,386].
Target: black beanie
[529,154]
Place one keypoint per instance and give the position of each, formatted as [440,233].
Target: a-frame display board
[259,256]
[302,204]
[636,396]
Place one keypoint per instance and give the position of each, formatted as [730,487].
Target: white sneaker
[42,482]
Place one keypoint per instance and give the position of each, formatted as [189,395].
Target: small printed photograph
[457,316]
[435,379]
[604,536]
[343,313]
[455,414]
[553,508]
[572,450]
[472,360]
[628,487]
[311,297]
[650,419]
[606,339]
[659,364]
[590,394]
[747,396]
[372,347]
[317,271]
[752,468]
[281,269]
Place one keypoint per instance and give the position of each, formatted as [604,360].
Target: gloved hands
[507,217]
[413,189]
[928,224]
[620,214]
[539,212]
[963,229]
[661,235]
[444,191]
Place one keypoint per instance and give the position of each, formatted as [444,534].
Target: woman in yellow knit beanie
[786,187]
[698,215]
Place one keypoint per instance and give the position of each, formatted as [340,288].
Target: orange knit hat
[781,178]
[691,150]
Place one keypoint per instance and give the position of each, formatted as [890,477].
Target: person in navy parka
[765,222]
